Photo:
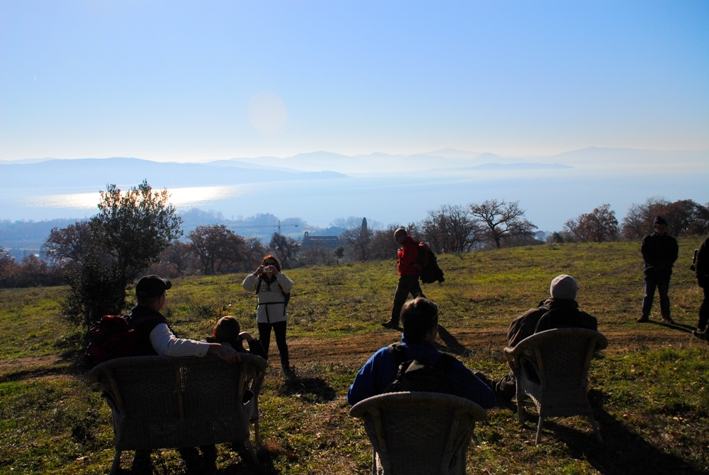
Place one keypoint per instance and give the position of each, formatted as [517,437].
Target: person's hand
[259,271]
[246,336]
[228,354]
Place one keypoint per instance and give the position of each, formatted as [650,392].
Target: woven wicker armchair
[419,433]
[165,402]
[552,368]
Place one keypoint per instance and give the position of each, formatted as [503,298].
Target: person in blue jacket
[420,320]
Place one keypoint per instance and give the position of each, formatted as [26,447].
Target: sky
[208,80]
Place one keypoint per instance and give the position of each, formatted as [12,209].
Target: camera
[267,268]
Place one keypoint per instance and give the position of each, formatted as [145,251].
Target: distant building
[321,242]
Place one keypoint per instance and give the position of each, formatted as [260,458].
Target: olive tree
[127,235]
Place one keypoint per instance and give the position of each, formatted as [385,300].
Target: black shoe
[643,319]
[702,335]
[289,372]
[142,465]
[392,325]
[668,320]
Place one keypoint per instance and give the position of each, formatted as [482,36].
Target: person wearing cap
[408,275]
[558,311]
[420,319]
[660,252]
[155,336]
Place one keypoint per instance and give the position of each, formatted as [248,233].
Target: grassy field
[650,388]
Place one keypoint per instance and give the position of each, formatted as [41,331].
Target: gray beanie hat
[563,287]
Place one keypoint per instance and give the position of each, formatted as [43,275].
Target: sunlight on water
[180,197]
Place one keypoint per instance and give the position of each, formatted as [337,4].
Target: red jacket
[407,254]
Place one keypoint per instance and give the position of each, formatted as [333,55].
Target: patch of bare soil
[32,366]
[354,350]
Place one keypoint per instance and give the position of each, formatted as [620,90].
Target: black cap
[151,286]
[659,220]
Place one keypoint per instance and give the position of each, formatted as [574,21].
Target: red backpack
[112,337]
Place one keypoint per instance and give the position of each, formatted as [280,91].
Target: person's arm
[250,282]
[165,343]
[255,346]
[370,379]
[469,386]
[285,283]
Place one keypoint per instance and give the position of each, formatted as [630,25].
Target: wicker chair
[165,402]
[419,433]
[552,368]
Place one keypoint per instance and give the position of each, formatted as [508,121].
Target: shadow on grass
[622,451]
[315,389]
[451,342]
[675,326]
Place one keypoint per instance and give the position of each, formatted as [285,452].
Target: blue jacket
[380,370]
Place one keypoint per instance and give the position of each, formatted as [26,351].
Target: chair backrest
[160,401]
[419,432]
[559,354]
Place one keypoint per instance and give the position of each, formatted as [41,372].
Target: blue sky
[195,81]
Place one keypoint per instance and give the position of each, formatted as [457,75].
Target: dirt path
[354,350]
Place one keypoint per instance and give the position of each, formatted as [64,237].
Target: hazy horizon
[569,82]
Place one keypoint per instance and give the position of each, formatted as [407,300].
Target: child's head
[227,330]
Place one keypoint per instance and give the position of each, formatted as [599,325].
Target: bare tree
[180,257]
[382,244]
[285,248]
[68,244]
[599,225]
[638,221]
[216,247]
[356,241]
[450,229]
[502,220]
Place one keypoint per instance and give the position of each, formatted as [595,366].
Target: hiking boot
[668,320]
[702,335]
[391,324]
[142,465]
[289,372]
[643,319]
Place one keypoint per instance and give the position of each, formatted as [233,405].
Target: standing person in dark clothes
[408,276]
[702,269]
[660,252]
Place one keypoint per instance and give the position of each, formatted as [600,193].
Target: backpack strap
[444,363]
[399,353]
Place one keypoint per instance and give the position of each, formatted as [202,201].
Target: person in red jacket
[408,276]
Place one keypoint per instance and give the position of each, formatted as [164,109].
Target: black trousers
[279,328]
[704,309]
[662,284]
[408,284]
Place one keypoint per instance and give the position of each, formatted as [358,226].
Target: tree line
[138,231]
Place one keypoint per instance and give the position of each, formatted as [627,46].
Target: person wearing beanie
[560,310]
[408,276]
[660,252]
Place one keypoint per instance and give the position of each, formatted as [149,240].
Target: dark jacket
[560,313]
[144,320]
[408,254]
[702,264]
[659,253]
[381,369]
